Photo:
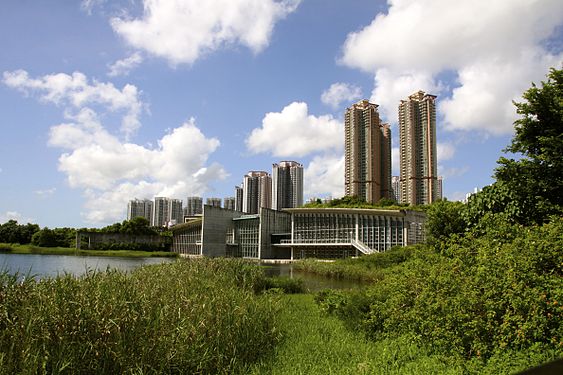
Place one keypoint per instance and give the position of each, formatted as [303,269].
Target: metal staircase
[365,249]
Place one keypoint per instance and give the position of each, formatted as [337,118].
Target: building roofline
[341,210]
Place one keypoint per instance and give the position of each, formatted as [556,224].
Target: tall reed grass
[195,317]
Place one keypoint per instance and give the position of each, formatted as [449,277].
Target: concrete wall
[216,221]
[272,221]
[89,239]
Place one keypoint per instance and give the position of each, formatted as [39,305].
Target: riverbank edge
[30,249]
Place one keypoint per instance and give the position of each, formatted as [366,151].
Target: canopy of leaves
[12,232]
[536,179]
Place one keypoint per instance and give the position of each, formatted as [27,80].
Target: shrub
[501,290]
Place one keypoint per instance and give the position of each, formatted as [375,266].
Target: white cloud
[340,92]
[74,92]
[484,100]
[123,67]
[109,170]
[324,176]
[294,133]
[182,30]
[452,171]
[45,192]
[494,47]
[112,172]
[14,215]
[445,150]
[390,87]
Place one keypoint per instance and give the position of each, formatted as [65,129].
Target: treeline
[488,285]
[13,233]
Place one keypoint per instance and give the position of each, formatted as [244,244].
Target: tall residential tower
[367,148]
[417,138]
[256,192]
[287,185]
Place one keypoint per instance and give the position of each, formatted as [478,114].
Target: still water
[39,266]
[311,282]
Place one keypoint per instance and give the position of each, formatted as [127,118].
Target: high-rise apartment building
[142,208]
[287,185]
[440,192]
[238,198]
[166,211]
[367,148]
[229,203]
[256,192]
[214,202]
[194,206]
[396,186]
[417,138]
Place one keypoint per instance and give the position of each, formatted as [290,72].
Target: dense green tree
[445,219]
[12,232]
[137,225]
[62,237]
[536,179]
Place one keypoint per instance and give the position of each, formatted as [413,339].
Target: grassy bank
[317,343]
[198,316]
[370,268]
[31,249]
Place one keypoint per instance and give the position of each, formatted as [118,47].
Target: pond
[311,281]
[38,266]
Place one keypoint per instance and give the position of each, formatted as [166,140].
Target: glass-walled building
[298,233]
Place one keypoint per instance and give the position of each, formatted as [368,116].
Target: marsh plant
[198,316]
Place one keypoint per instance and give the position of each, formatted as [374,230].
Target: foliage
[356,202]
[443,220]
[137,225]
[58,237]
[318,343]
[365,268]
[535,181]
[497,290]
[190,317]
[134,246]
[12,232]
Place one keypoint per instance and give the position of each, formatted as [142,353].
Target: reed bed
[194,317]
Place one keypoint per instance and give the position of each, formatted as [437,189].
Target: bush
[501,289]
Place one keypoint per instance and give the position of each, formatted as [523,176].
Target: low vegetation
[199,316]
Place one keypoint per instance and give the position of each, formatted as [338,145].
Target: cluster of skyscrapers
[259,189]
[367,145]
[368,152]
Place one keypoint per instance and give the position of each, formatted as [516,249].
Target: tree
[445,219]
[535,181]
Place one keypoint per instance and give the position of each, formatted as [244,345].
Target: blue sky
[105,101]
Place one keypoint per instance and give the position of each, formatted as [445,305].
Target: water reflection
[311,281]
[40,266]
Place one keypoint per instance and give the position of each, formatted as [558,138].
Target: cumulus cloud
[182,30]
[325,176]
[123,67]
[293,132]
[14,215]
[111,170]
[75,92]
[339,93]
[495,48]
